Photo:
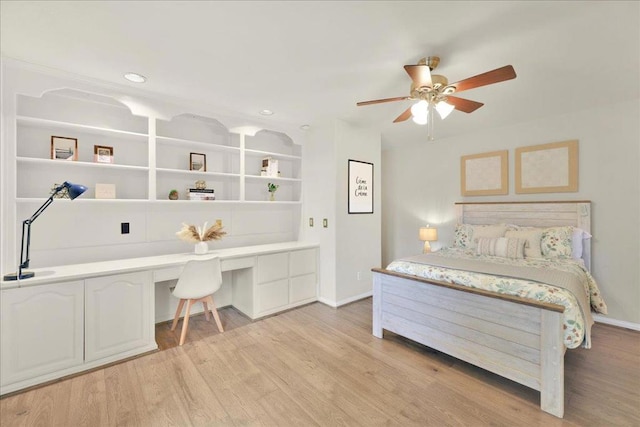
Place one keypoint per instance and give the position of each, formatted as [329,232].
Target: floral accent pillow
[463,236]
[556,242]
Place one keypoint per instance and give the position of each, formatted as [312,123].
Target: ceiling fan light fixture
[444,109]
[135,77]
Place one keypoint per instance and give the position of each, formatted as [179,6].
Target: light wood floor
[320,366]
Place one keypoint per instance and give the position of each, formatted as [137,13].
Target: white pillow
[491,231]
[504,247]
[533,236]
[577,242]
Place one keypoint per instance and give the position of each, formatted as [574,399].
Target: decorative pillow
[577,239]
[532,236]
[480,231]
[462,236]
[556,242]
[505,247]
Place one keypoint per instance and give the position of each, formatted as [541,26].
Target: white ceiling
[312,61]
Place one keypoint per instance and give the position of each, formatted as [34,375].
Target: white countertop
[70,272]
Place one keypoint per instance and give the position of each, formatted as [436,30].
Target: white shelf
[193,173]
[34,121]
[275,202]
[196,201]
[272,154]
[66,163]
[272,178]
[79,200]
[208,145]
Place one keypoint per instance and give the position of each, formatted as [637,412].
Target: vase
[201,248]
[272,197]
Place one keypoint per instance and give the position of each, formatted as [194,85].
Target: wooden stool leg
[177,316]
[206,310]
[214,311]
[185,323]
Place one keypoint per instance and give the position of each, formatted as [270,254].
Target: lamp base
[427,248]
[14,276]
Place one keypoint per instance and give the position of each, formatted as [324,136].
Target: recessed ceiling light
[135,77]
[266,112]
[305,127]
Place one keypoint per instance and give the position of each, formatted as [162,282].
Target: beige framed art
[64,148]
[547,168]
[485,174]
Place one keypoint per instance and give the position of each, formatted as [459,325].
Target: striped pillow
[505,247]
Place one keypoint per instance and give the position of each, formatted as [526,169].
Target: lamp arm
[26,231]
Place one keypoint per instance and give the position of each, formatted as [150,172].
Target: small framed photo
[360,187]
[102,154]
[198,162]
[64,148]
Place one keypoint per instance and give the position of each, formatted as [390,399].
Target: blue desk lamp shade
[74,191]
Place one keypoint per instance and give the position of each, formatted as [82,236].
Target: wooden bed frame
[517,338]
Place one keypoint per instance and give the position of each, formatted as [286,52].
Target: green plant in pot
[173,195]
[272,191]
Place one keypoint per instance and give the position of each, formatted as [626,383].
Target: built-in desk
[71,318]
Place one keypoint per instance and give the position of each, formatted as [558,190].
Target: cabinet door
[118,314]
[42,330]
[273,267]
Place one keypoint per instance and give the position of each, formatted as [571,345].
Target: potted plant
[173,195]
[272,191]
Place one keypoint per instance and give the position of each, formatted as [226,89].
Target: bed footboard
[515,338]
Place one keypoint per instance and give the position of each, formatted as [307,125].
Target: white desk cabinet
[118,314]
[42,331]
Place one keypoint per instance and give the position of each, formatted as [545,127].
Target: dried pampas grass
[193,234]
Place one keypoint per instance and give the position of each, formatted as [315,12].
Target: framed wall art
[547,168]
[485,174]
[64,148]
[360,187]
[198,162]
[102,154]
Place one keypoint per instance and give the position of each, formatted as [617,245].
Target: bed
[482,314]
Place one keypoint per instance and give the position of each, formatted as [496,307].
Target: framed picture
[547,168]
[485,174]
[198,162]
[360,191]
[102,154]
[63,148]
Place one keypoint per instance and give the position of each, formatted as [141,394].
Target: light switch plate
[325,223]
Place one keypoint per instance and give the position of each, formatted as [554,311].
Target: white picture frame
[360,187]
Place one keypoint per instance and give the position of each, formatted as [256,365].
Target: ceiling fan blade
[498,75]
[404,116]
[464,105]
[380,101]
[420,74]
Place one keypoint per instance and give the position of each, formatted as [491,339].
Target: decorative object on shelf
[272,191]
[200,236]
[198,162]
[428,234]
[59,194]
[269,167]
[201,194]
[105,191]
[173,195]
[64,148]
[201,184]
[102,154]
[547,168]
[74,190]
[485,174]
[360,199]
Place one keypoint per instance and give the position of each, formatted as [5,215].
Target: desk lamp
[428,234]
[74,191]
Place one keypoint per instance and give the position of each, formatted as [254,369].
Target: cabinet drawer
[303,262]
[272,295]
[169,273]
[273,267]
[236,263]
[303,287]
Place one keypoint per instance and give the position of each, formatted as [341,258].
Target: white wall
[351,243]
[422,182]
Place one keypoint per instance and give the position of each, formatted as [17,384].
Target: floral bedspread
[574,322]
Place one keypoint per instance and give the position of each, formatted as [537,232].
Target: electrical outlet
[325,223]
[124,228]
[310,222]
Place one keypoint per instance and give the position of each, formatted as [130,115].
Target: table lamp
[428,234]
[74,191]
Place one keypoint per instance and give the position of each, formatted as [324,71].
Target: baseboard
[614,322]
[336,304]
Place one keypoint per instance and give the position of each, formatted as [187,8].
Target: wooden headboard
[531,214]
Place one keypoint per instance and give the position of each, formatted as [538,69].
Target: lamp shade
[74,189]
[428,234]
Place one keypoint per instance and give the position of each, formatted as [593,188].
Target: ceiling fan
[433,91]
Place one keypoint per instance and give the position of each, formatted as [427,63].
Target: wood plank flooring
[319,366]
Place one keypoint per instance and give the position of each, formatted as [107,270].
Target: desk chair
[197,283]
